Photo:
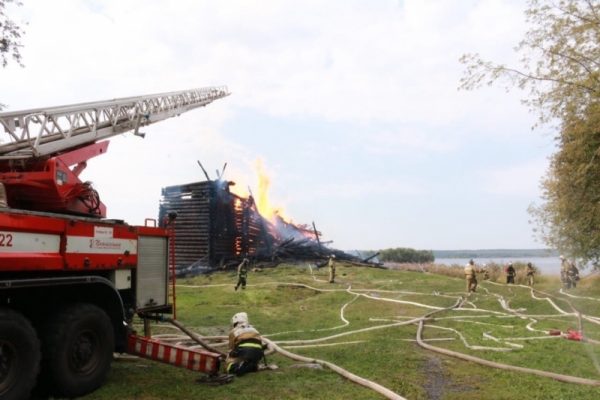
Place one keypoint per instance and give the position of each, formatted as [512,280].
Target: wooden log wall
[192,203]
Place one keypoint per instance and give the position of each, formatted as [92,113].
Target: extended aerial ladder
[46,149]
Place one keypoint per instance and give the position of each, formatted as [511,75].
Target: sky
[352,107]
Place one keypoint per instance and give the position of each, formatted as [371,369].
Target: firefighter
[242,273]
[573,275]
[530,272]
[245,346]
[331,266]
[510,273]
[470,276]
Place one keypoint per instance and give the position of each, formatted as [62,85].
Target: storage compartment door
[152,272]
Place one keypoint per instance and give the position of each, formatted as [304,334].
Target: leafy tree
[570,217]
[560,70]
[10,37]
[560,58]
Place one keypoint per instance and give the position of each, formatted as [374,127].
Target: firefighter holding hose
[245,346]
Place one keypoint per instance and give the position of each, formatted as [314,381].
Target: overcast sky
[352,106]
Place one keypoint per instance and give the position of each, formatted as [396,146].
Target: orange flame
[263,203]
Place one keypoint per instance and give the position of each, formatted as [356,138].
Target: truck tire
[19,356]
[78,346]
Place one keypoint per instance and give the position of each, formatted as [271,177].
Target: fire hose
[421,324]
[195,337]
[354,378]
[546,374]
[272,347]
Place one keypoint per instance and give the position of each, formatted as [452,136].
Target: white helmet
[238,318]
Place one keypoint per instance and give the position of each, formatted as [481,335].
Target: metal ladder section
[192,358]
[46,131]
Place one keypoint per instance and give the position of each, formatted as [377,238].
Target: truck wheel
[78,348]
[19,356]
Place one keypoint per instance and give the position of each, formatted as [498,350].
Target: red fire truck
[71,281]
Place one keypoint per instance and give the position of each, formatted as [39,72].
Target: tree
[570,217]
[560,70]
[10,37]
[406,255]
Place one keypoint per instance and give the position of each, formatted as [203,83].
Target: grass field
[283,310]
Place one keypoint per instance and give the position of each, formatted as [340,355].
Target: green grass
[388,356]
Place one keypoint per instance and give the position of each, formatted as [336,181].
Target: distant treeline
[408,255]
[402,255]
[495,253]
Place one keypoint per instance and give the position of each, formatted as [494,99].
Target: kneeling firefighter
[245,346]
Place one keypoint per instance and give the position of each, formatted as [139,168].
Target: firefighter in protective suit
[573,275]
[242,273]
[471,277]
[245,346]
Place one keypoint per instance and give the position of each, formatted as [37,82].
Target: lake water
[546,265]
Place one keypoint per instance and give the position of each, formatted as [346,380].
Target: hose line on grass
[273,347]
[348,375]
[546,374]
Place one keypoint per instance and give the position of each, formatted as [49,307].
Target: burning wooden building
[216,228]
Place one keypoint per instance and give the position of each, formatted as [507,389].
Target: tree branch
[579,17]
[593,9]
[574,59]
[545,79]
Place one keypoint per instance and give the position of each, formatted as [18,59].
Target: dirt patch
[436,379]
[438,382]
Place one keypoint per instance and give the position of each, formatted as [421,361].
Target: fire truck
[71,280]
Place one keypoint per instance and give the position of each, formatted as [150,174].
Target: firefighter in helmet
[470,276]
[245,346]
[530,273]
[242,273]
[510,273]
[573,275]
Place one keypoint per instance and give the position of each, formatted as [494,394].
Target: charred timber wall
[192,203]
